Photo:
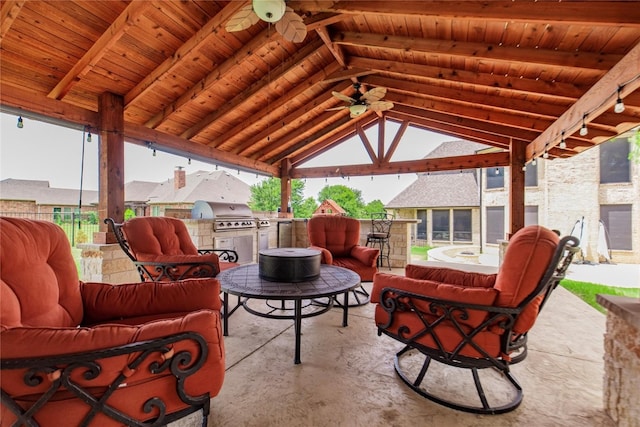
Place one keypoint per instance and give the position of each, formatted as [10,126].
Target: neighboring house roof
[215,186]
[138,191]
[329,204]
[42,194]
[442,189]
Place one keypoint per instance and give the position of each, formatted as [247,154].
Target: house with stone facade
[600,188]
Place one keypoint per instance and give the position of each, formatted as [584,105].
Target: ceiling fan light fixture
[357,109]
[269,10]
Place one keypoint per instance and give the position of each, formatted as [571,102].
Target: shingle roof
[43,194]
[215,186]
[442,189]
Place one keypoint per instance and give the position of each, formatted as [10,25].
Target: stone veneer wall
[622,371]
[622,359]
[106,264]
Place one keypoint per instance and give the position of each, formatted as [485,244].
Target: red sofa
[77,353]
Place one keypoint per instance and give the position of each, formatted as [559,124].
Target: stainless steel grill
[226,216]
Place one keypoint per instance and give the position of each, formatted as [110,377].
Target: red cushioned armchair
[471,320]
[338,238]
[162,250]
[77,353]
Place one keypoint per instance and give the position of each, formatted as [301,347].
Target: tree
[373,207]
[265,195]
[349,199]
[306,208]
[634,154]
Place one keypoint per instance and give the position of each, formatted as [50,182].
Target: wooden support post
[518,152]
[111,164]
[286,211]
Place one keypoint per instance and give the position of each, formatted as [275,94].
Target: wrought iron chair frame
[163,271]
[381,223]
[181,365]
[396,300]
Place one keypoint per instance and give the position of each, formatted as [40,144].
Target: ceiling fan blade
[292,27]
[337,108]
[375,94]
[343,97]
[380,106]
[242,20]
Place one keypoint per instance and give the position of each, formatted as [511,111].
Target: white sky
[42,151]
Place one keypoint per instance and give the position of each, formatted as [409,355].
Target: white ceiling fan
[287,22]
[360,102]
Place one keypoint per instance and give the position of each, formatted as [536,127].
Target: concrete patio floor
[347,377]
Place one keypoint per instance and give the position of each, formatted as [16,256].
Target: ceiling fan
[287,22]
[360,102]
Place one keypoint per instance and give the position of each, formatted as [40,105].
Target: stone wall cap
[628,308]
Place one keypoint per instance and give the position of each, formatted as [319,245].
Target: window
[155,210]
[422,226]
[495,178]
[531,175]
[614,161]
[617,223]
[440,224]
[530,215]
[462,225]
[495,224]
[57,217]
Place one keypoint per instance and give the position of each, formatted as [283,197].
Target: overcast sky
[42,151]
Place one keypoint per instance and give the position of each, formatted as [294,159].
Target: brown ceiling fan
[287,22]
[360,102]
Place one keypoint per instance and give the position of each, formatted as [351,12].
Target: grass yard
[420,251]
[588,291]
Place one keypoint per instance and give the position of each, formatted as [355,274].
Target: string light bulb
[89,137]
[563,143]
[189,161]
[20,124]
[619,107]
[545,155]
[154,152]
[583,130]
[533,162]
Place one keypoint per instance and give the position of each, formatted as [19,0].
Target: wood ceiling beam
[348,74]
[187,51]
[180,146]
[323,19]
[290,119]
[297,134]
[367,144]
[91,57]
[274,107]
[396,140]
[8,13]
[515,83]
[335,50]
[500,130]
[538,58]
[606,123]
[410,166]
[605,13]
[267,80]
[601,97]
[522,121]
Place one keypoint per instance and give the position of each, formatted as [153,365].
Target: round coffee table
[245,282]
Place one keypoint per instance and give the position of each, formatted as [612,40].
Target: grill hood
[212,210]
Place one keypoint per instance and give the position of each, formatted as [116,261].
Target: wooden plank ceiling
[494,72]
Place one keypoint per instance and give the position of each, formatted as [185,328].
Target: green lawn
[588,291]
[420,251]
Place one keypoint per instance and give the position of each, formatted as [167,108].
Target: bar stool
[379,236]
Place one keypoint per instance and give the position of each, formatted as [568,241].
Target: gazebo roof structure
[502,73]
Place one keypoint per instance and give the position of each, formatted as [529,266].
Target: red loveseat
[77,353]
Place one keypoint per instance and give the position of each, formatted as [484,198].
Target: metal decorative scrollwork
[61,369]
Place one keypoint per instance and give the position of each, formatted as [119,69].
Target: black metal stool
[379,236]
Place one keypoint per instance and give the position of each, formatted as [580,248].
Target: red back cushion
[39,283]
[527,257]
[338,234]
[158,236]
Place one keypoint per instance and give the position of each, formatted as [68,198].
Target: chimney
[179,178]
